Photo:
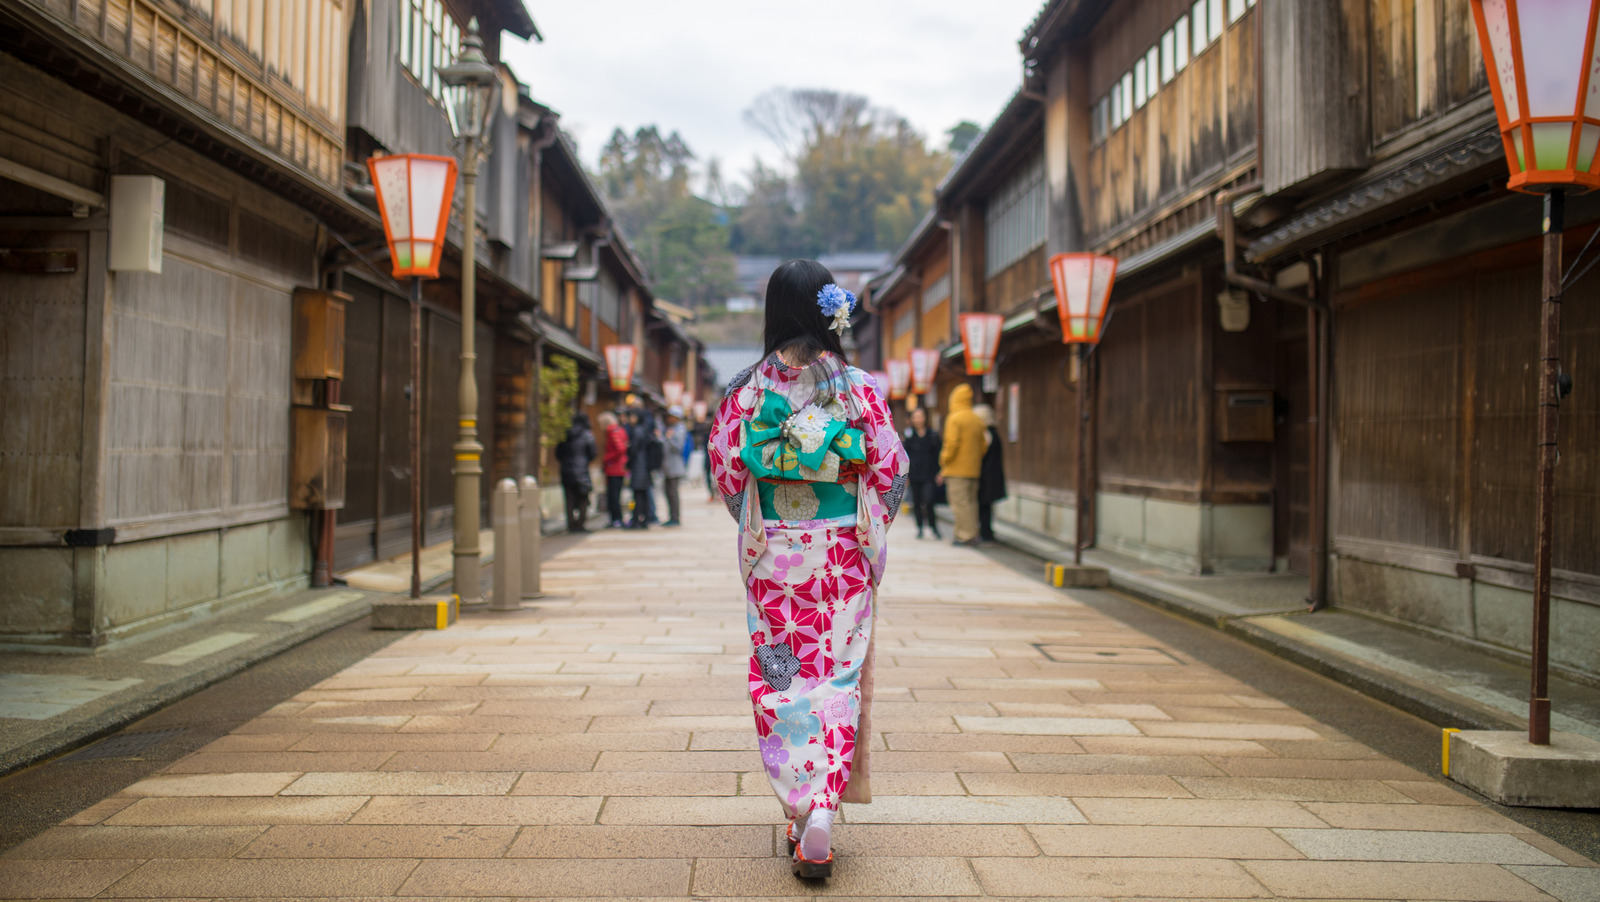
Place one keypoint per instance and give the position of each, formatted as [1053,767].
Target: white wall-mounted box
[138,217]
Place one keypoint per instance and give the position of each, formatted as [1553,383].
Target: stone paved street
[599,744]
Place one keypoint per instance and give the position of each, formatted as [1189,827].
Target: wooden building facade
[1349,393]
[156,420]
[147,410]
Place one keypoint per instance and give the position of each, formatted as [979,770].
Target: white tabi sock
[816,839]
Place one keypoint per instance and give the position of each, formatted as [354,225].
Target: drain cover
[123,745]
[1106,654]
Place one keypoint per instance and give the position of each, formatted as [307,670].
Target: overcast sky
[694,65]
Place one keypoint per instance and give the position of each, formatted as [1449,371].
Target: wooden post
[1549,361]
[414,434]
[1080,507]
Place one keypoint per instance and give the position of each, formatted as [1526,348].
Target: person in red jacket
[616,466]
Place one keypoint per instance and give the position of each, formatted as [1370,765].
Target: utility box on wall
[138,223]
[317,472]
[1244,415]
[319,333]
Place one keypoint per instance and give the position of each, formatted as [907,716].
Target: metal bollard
[507,547]
[532,536]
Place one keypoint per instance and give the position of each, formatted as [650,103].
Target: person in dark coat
[643,461]
[702,441]
[922,447]
[575,453]
[616,467]
[992,481]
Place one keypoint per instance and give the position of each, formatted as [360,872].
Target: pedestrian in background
[644,459]
[702,439]
[961,463]
[674,463]
[615,465]
[574,455]
[805,453]
[922,449]
[992,477]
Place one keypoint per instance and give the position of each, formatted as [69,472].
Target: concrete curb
[1392,689]
[75,735]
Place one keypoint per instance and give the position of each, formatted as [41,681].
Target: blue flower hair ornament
[837,303]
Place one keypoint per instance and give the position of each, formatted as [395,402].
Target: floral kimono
[811,466]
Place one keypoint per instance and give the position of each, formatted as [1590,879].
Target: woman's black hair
[794,321]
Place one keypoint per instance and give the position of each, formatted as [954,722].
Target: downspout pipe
[1320,377]
[1230,253]
[540,145]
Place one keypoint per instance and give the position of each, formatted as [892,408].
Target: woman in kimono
[805,454]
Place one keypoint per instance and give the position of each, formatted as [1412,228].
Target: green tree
[768,222]
[961,136]
[681,238]
[864,176]
[558,387]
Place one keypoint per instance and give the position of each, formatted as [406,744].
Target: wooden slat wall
[1017,283]
[1149,406]
[1397,414]
[1314,125]
[1182,139]
[1435,414]
[288,102]
[1505,391]
[385,102]
[41,388]
[1046,450]
[199,399]
[936,325]
[362,389]
[441,369]
[1425,59]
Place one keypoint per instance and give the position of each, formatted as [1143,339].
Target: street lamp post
[1540,57]
[472,85]
[414,202]
[1083,291]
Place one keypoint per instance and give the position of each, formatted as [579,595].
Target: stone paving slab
[597,744]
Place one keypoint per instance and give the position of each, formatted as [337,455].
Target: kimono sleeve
[887,464]
[728,470]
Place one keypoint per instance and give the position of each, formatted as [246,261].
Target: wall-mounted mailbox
[319,333]
[1244,415]
[317,472]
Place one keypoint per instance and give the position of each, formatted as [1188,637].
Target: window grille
[608,300]
[936,293]
[1015,217]
[904,321]
[428,41]
[1181,43]
[1186,39]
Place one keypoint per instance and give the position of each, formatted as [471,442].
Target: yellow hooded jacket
[965,438]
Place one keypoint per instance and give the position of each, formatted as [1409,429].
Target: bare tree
[798,119]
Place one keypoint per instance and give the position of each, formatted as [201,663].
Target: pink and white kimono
[812,548]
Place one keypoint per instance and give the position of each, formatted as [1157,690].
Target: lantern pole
[415,413]
[1549,353]
[1083,452]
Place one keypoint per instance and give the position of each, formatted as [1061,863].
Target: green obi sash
[796,456]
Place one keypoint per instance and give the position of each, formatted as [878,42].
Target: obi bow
[807,445]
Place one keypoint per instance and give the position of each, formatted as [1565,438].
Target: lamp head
[472,84]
